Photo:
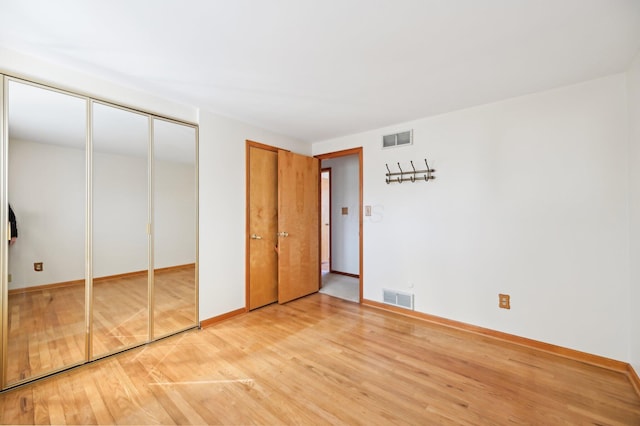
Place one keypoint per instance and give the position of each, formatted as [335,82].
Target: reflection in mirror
[120,239]
[46,190]
[174,213]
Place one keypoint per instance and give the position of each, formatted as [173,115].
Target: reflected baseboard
[98,279]
[174,268]
[45,287]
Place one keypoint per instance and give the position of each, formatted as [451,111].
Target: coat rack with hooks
[410,176]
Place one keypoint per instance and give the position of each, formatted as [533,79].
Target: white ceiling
[316,69]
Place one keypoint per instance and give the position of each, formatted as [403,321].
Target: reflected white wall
[174,214]
[50,213]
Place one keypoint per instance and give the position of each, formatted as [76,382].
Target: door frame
[359,152]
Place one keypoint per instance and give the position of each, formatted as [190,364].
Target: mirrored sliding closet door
[105,202]
[46,174]
[120,199]
[174,219]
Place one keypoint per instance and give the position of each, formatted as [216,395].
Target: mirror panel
[46,191]
[120,238]
[174,199]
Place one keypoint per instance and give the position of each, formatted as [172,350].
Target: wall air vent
[397,298]
[397,139]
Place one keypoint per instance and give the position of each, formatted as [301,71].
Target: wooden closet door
[298,226]
[262,227]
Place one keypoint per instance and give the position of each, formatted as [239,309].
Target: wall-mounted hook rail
[410,176]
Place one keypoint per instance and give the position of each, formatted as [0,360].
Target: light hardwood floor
[322,360]
[47,326]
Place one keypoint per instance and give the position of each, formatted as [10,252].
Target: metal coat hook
[410,176]
[388,180]
[429,171]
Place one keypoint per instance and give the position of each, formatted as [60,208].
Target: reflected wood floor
[47,326]
[322,360]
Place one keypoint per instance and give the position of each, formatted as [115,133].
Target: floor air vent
[397,298]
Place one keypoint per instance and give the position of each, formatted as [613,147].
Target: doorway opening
[325,220]
[341,224]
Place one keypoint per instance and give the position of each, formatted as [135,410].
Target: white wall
[50,213]
[222,209]
[633,80]
[345,229]
[530,199]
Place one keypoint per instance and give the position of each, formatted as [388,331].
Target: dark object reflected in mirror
[13,225]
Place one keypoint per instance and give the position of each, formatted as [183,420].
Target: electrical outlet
[37,266]
[367,210]
[504,301]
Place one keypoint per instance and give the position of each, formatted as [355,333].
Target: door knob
[255,237]
[282,234]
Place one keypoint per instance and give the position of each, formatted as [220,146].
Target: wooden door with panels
[299,226]
[262,226]
[283,260]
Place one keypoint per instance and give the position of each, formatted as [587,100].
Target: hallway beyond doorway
[341,286]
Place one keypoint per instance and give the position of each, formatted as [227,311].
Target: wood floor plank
[98,407]
[320,360]
[17,408]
